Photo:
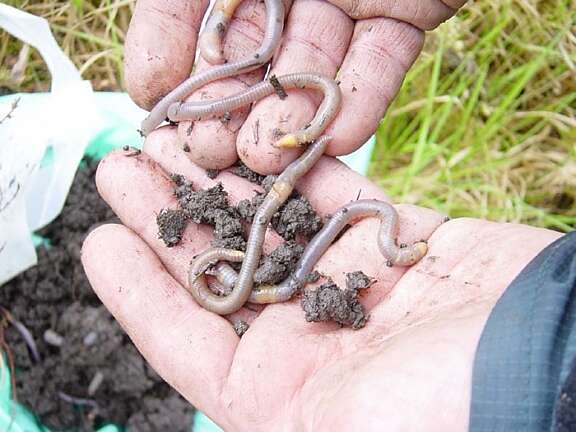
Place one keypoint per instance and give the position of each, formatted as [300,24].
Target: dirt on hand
[330,303]
[210,207]
[295,217]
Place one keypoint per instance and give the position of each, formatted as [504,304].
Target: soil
[211,207]
[89,372]
[294,220]
[241,170]
[241,327]
[330,303]
[295,217]
[277,266]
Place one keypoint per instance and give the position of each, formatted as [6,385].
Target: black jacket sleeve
[525,371]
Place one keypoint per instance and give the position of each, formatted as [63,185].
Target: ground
[88,371]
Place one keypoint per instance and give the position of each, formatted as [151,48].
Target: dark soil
[279,264]
[330,303]
[295,217]
[85,355]
[243,171]
[211,207]
[294,220]
[212,173]
[241,327]
[358,280]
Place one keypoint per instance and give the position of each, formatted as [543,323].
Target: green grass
[91,33]
[484,126]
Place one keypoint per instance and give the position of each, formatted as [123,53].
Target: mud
[295,217]
[279,264]
[85,354]
[171,226]
[241,327]
[210,207]
[212,173]
[241,170]
[330,303]
[358,280]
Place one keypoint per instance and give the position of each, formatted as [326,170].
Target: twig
[12,109]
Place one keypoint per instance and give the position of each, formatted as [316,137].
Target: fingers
[160,46]
[189,347]
[380,54]
[138,188]
[212,142]
[328,186]
[315,40]
[423,14]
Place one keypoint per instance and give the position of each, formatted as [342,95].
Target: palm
[407,369]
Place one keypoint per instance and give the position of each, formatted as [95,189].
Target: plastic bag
[56,129]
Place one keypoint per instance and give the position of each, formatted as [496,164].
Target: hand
[370,44]
[408,369]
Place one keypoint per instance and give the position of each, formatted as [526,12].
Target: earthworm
[210,41]
[26,335]
[225,276]
[272,35]
[77,401]
[199,288]
[395,255]
[330,106]
[280,191]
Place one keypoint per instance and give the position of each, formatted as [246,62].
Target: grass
[484,125]
[91,33]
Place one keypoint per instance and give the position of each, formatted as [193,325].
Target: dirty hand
[408,369]
[370,44]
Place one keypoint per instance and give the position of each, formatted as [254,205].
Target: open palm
[408,369]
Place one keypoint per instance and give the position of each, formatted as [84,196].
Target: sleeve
[524,377]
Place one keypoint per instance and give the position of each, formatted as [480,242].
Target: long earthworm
[328,109]
[211,39]
[387,244]
[272,35]
[280,191]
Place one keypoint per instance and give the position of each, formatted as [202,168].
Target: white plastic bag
[56,129]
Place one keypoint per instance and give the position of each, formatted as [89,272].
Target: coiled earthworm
[199,288]
[211,38]
[324,115]
[395,255]
[280,191]
[272,35]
